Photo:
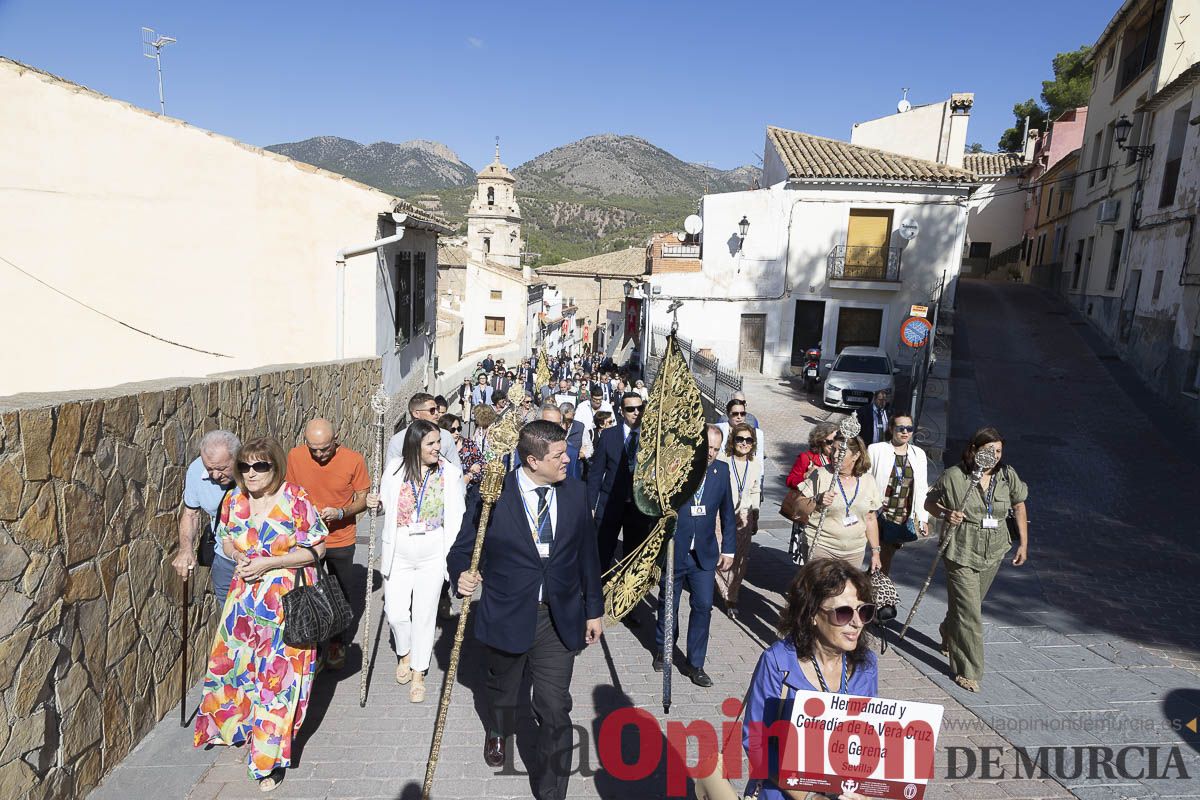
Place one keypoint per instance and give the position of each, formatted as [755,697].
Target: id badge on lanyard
[990,521]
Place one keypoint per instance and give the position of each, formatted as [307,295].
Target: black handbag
[208,547]
[314,612]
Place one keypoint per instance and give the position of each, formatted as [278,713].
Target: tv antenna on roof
[152,45]
[904,105]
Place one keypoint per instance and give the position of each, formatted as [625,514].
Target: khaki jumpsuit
[973,558]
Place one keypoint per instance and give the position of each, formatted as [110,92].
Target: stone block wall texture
[90,608]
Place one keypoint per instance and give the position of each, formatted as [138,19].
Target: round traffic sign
[915,331]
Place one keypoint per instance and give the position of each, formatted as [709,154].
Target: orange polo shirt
[331,485]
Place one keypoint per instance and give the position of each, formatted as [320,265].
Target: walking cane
[985,459]
[502,440]
[848,428]
[183,641]
[379,404]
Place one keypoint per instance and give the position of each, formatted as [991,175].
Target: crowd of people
[565,516]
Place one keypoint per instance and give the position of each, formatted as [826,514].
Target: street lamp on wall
[1121,133]
[743,228]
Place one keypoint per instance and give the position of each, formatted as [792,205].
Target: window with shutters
[418,301]
[1170,180]
[403,296]
[493,326]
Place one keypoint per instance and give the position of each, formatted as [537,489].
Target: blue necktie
[544,530]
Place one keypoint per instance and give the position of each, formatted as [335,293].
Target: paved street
[380,751]
[1094,641]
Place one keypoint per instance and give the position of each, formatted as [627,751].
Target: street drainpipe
[351,252]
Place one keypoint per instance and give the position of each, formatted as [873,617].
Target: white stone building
[483,290]
[822,259]
[139,247]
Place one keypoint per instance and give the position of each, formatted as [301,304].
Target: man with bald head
[337,482]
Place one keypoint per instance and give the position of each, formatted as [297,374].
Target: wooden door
[867,238]
[859,327]
[807,328]
[753,343]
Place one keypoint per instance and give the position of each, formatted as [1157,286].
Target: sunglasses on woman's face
[737,413]
[905,429]
[258,466]
[843,614]
[744,439]
[455,428]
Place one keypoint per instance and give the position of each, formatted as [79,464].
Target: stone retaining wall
[90,608]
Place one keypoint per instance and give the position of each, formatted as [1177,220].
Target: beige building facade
[139,247]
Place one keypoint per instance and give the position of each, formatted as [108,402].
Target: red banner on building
[633,314]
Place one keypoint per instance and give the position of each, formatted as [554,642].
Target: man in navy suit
[610,484]
[541,602]
[697,559]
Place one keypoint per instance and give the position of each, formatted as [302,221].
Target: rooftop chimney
[960,115]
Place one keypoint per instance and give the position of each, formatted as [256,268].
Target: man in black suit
[697,559]
[610,483]
[541,603]
[874,418]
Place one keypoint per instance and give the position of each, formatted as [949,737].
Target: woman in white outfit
[901,470]
[423,501]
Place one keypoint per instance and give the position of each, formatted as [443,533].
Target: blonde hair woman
[850,500]
[423,500]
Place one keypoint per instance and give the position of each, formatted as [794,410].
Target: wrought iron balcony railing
[859,263]
[681,251]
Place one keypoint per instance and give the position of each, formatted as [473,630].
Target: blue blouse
[778,666]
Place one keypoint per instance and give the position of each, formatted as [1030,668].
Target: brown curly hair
[814,583]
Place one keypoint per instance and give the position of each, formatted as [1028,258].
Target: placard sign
[869,745]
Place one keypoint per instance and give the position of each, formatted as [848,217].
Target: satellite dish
[903,106]
[681,236]
[693,224]
[908,230]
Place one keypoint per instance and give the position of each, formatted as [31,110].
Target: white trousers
[410,595]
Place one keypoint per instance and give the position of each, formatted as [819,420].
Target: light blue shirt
[202,492]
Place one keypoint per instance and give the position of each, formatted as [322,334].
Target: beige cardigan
[751,495]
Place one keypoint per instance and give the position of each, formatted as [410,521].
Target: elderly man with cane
[207,480]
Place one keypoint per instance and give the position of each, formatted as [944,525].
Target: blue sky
[701,79]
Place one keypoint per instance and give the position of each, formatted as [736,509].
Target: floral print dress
[257,687]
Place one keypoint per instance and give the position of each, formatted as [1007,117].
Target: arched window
[491,195]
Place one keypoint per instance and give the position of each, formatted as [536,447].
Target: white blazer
[455,506]
[883,461]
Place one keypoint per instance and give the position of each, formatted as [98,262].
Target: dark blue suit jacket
[506,616]
[610,479]
[717,498]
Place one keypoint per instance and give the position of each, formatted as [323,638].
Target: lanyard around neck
[536,519]
[845,685]
[842,489]
[740,479]
[419,497]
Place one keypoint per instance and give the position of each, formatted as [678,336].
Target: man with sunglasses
[422,406]
[337,482]
[610,484]
[697,558]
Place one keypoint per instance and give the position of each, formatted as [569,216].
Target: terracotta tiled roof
[628,262]
[806,156]
[1167,93]
[992,165]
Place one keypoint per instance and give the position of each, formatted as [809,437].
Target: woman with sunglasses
[821,648]
[423,501]
[822,441]
[745,479]
[257,686]
[979,543]
[468,452]
[849,500]
[902,469]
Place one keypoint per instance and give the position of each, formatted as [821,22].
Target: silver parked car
[856,375]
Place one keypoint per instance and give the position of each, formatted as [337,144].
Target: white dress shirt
[529,499]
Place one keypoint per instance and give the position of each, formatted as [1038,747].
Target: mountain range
[600,193]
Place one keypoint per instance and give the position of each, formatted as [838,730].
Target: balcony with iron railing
[864,263]
[681,251]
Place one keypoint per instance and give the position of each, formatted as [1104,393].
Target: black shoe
[731,610]
[493,751]
[699,677]
[657,663]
